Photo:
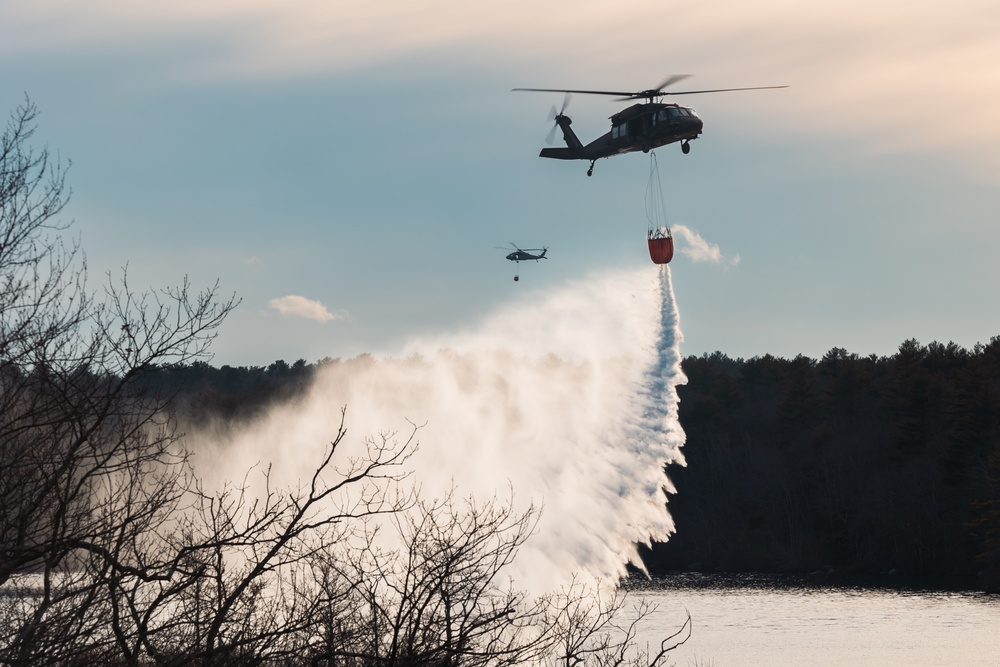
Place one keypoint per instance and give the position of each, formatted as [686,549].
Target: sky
[349,170]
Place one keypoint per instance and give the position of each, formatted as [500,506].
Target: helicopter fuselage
[640,127]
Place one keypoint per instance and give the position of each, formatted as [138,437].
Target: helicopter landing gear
[590,172]
[685,148]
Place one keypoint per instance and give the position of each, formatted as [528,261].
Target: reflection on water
[749,620]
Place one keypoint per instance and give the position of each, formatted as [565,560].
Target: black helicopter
[520,255]
[640,127]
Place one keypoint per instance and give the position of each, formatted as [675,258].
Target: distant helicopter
[640,127]
[522,255]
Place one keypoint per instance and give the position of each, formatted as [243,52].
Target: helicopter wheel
[685,148]
[590,172]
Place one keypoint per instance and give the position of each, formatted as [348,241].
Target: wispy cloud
[700,250]
[858,70]
[299,306]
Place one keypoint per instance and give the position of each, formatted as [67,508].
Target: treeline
[847,464]
[229,395]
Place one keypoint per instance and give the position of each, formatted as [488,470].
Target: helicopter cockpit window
[662,115]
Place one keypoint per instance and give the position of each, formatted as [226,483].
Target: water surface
[821,622]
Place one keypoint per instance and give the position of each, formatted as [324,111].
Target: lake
[748,620]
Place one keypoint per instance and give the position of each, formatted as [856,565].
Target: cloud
[299,306]
[700,250]
[859,71]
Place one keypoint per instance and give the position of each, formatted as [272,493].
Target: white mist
[567,397]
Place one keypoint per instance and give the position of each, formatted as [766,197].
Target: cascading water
[566,397]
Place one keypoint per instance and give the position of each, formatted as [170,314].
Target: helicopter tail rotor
[555,116]
[550,138]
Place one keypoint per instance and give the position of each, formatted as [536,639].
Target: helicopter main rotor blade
[645,94]
[566,90]
[722,90]
[671,80]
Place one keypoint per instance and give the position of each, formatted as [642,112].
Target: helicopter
[643,126]
[522,255]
